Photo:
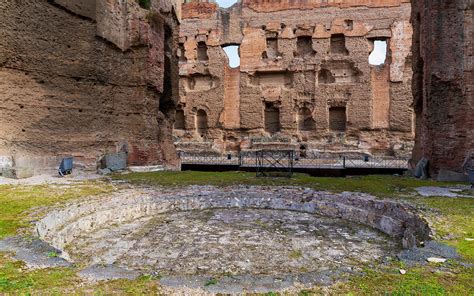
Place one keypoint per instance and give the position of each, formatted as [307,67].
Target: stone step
[146,169]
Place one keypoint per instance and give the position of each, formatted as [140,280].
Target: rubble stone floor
[256,239]
[233,241]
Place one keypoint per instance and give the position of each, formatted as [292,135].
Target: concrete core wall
[443,82]
[84,78]
[300,57]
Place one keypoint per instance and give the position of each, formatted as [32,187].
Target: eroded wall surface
[443,82]
[84,78]
[305,79]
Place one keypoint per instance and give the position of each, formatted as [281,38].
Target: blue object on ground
[65,168]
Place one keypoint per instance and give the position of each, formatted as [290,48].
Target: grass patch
[14,277]
[211,282]
[417,281]
[453,222]
[53,255]
[16,200]
[296,254]
[379,185]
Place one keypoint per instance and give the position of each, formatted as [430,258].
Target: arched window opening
[305,120]
[337,119]
[202,51]
[272,118]
[201,122]
[179,120]
[379,55]
[338,44]
[233,56]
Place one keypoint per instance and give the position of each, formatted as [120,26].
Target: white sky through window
[232,52]
[226,3]
[378,56]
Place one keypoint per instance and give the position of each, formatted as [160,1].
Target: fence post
[344,162]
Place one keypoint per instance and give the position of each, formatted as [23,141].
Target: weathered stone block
[5,161]
[115,161]
[17,172]
[450,176]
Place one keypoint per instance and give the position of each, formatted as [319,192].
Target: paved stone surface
[34,252]
[233,241]
[431,249]
[428,191]
[107,272]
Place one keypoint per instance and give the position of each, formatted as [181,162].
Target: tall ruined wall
[443,82]
[70,85]
[304,75]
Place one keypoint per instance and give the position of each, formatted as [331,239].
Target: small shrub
[53,255]
[144,3]
[211,282]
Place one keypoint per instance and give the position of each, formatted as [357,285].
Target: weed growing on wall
[144,3]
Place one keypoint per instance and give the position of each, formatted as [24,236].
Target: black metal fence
[250,159]
[271,163]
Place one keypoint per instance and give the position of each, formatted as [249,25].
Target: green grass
[453,219]
[14,277]
[211,282]
[382,186]
[417,281]
[16,200]
[296,254]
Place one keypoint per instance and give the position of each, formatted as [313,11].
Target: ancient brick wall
[300,59]
[443,82]
[70,85]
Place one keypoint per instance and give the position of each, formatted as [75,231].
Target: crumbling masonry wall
[302,63]
[84,78]
[443,82]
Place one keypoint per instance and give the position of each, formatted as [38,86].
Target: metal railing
[269,161]
[209,159]
[249,159]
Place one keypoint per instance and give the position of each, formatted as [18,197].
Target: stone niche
[304,47]
[272,117]
[338,44]
[338,72]
[305,120]
[271,51]
[282,78]
[337,119]
[200,82]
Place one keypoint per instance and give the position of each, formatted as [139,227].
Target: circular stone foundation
[233,241]
[251,231]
